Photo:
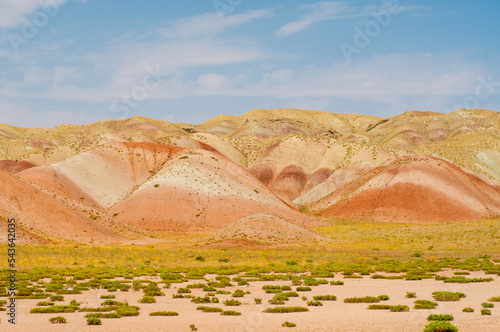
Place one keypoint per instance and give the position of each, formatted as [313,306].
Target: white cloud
[321,11]
[212,80]
[13,13]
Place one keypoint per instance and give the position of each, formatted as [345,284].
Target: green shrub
[288,324]
[325,298]
[379,307]
[411,295]
[183,290]
[147,299]
[336,283]
[383,297]
[440,326]
[127,310]
[44,304]
[487,305]
[314,303]
[448,296]
[286,288]
[303,289]
[164,313]
[230,313]
[93,321]
[494,299]
[56,298]
[366,299]
[485,312]
[103,315]
[214,300]
[53,309]
[285,309]
[108,296]
[424,304]
[257,301]
[209,309]
[58,320]
[238,293]
[193,328]
[399,308]
[232,302]
[440,317]
[199,299]
[468,309]
[223,292]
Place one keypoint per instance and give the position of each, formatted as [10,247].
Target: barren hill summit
[118,181]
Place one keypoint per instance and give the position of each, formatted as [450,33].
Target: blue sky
[80,61]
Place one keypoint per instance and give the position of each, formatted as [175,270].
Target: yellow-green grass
[352,241]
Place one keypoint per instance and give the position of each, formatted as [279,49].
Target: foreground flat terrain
[332,316]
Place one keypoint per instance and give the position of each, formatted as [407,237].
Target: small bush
[424,304]
[257,301]
[53,309]
[379,307]
[230,313]
[164,313]
[56,298]
[336,283]
[44,304]
[366,299]
[282,310]
[58,320]
[288,324]
[314,303]
[383,297]
[108,296]
[209,309]
[487,305]
[94,321]
[147,299]
[325,298]
[198,299]
[440,317]
[468,309]
[399,308]
[485,312]
[104,315]
[448,296]
[128,310]
[303,289]
[494,299]
[440,326]
[193,328]
[238,293]
[411,295]
[232,302]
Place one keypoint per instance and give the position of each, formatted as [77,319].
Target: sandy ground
[332,316]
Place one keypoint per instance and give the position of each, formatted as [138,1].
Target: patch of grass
[103,315]
[257,301]
[285,310]
[440,317]
[164,313]
[288,324]
[209,309]
[486,312]
[147,299]
[232,302]
[468,309]
[379,307]
[325,298]
[94,321]
[440,326]
[448,296]
[411,295]
[314,303]
[366,299]
[53,309]
[425,304]
[487,305]
[336,283]
[57,320]
[44,304]
[303,289]
[399,308]
[494,299]
[230,313]
[108,296]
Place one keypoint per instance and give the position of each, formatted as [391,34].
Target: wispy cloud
[13,12]
[321,11]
